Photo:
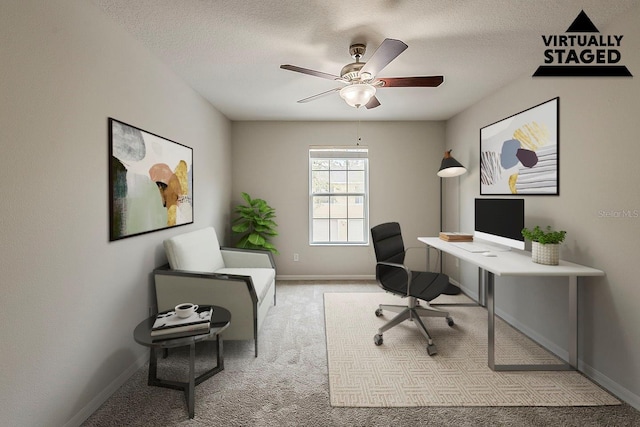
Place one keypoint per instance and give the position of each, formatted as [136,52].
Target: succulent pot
[548,254]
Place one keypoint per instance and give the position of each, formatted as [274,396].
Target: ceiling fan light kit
[357,94]
[360,79]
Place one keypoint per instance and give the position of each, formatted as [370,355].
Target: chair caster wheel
[379,312]
[431,350]
[377,339]
[450,321]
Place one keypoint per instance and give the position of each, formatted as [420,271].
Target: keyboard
[476,247]
[472,247]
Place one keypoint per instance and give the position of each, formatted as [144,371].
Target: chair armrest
[185,281]
[247,258]
[398,266]
[168,271]
[415,247]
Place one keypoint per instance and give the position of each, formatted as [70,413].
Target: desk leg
[489,282]
[573,321]
[482,291]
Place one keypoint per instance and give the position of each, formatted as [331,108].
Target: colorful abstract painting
[150,182]
[519,154]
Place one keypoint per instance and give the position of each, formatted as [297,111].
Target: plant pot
[548,254]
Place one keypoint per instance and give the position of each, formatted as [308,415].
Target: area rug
[399,373]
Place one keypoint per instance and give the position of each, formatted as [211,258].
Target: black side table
[220,320]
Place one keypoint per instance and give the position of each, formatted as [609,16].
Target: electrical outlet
[296,257]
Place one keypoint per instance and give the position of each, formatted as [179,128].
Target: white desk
[518,263]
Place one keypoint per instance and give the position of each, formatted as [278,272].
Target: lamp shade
[357,94]
[450,167]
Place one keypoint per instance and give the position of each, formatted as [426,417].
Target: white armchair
[200,271]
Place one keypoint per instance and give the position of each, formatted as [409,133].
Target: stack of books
[454,236]
[168,324]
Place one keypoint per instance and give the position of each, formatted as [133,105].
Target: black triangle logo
[582,24]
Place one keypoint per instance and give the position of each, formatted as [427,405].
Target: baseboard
[321,277]
[103,396]
[611,386]
[596,376]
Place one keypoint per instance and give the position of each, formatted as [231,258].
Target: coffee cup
[186,309]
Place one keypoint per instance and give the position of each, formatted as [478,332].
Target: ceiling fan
[359,78]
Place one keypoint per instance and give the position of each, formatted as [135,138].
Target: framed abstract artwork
[150,182]
[520,155]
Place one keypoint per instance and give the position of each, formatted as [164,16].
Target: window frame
[340,153]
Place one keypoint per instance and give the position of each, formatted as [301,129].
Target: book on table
[456,236]
[168,322]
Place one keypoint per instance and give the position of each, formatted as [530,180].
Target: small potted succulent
[545,246]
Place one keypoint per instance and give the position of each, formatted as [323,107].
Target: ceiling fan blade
[386,52]
[320,95]
[373,103]
[310,72]
[423,81]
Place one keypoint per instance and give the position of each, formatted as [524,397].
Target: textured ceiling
[230,51]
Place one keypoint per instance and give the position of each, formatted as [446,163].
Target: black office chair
[393,276]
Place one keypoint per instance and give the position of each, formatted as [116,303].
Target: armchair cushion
[195,251]
[262,278]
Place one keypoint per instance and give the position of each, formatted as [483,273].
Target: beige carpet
[399,373]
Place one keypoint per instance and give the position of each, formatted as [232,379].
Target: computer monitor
[500,221]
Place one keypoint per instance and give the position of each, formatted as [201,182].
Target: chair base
[452,290]
[412,311]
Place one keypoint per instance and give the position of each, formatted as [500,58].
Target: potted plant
[255,224]
[545,246]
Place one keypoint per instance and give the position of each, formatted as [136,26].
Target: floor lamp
[449,167]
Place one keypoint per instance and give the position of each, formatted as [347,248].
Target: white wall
[270,161]
[599,154]
[70,298]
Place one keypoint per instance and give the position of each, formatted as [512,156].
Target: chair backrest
[195,251]
[387,242]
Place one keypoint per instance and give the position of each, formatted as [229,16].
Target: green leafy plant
[255,224]
[547,236]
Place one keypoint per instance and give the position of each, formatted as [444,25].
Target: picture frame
[150,182]
[520,155]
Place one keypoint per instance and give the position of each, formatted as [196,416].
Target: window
[338,195]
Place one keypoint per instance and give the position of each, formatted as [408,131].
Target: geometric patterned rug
[399,373]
